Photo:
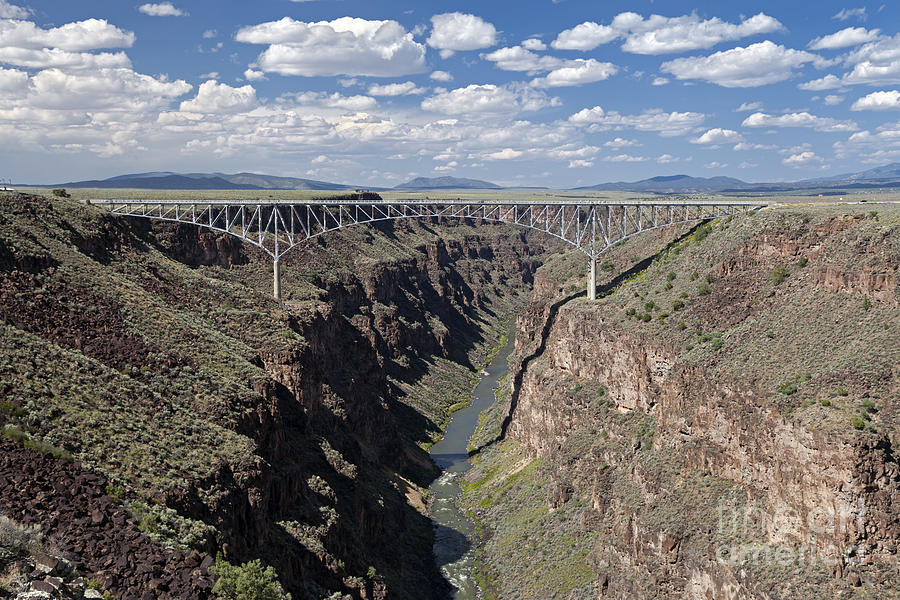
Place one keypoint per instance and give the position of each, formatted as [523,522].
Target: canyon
[722,423]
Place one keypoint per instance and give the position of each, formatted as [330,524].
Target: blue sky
[532,93]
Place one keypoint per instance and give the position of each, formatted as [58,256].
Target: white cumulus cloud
[505,154]
[534,44]
[452,32]
[162,9]
[487,99]
[757,64]
[118,89]
[851,36]
[577,72]
[666,124]
[13,80]
[407,88]
[216,98]
[91,34]
[60,59]
[657,34]
[718,136]
[620,143]
[344,46]
[885,100]
[803,159]
[799,119]
[11,11]
[661,35]
[874,63]
[518,58]
[586,36]
[580,163]
[441,76]
[354,103]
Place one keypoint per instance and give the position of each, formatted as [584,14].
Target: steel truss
[277,227]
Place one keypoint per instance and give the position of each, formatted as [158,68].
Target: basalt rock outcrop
[282,431]
[724,425]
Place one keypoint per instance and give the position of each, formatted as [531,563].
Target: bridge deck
[439,201]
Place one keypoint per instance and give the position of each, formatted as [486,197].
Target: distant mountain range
[671,184]
[447,183]
[167,180]
[887,176]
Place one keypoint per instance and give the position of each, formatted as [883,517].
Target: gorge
[722,424]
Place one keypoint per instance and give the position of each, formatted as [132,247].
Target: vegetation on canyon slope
[794,310]
[292,432]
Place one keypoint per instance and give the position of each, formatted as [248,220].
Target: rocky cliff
[723,425]
[218,420]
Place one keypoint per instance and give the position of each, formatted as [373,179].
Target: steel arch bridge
[278,226]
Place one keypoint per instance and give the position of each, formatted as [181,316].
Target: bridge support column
[592,281]
[277,276]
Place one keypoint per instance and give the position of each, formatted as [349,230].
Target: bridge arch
[277,227]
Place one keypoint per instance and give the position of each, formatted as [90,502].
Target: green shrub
[650,306]
[787,388]
[716,343]
[14,433]
[645,317]
[668,286]
[703,289]
[694,275]
[16,540]
[710,278]
[671,276]
[13,410]
[249,581]
[682,326]
[662,316]
[606,265]
[866,304]
[779,274]
[61,193]
[677,304]
[858,422]
[631,312]
[825,402]
[802,262]
[313,277]
[841,391]
[703,231]
[869,406]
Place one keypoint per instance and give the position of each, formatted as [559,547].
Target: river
[454,533]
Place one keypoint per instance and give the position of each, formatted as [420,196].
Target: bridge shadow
[602,291]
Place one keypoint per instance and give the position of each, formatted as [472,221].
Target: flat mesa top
[454,201]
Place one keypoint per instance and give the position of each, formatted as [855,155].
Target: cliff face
[737,442]
[286,431]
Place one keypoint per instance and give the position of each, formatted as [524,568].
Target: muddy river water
[454,548]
